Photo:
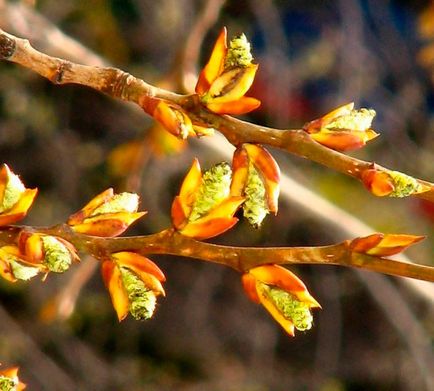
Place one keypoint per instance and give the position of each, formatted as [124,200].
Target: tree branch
[170,242]
[122,85]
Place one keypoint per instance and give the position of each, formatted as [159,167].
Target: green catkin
[123,202]
[405,185]
[7,384]
[239,53]
[142,300]
[22,272]
[355,120]
[18,269]
[12,193]
[57,256]
[292,309]
[213,190]
[255,206]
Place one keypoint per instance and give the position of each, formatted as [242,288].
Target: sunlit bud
[213,190]
[174,119]
[391,183]
[50,252]
[384,244]
[227,77]
[9,380]
[15,199]
[204,208]
[134,282]
[282,294]
[14,266]
[256,176]
[107,214]
[344,128]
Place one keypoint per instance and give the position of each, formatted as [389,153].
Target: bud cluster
[134,283]
[282,294]
[228,76]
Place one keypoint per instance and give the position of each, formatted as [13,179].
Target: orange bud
[240,171]
[15,266]
[134,282]
[217,221]
[108,225]
[49,253]
[343,129]
[107,214]
[15,199]
[249,285]
[344,140]
[391,183]
[174,119]
[269,170]
[215,65]
[283,278]
[380,244]
[231,85]
[227,77]
[10,381]
[377,182]
[243,105]
[282,294]
[113,281]
[138,263]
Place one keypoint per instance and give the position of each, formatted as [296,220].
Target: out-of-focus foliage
[205,335]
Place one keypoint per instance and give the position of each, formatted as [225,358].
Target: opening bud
[15,199]
[107,214]
[134,282]
[49,252]
[256,176]
[391,183]
[9,380]
[14,266]
[204,207]
[227,77]
[282,294]
[343,129]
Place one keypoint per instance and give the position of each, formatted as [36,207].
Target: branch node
[7,47]
[64,66]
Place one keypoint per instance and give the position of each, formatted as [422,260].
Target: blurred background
[374,332]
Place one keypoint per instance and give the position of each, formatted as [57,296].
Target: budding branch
[170,242]
[121,85]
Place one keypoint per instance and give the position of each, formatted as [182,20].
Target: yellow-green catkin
[22,272]
[7,384]
[12,193]
[255,206]
[214,189]
[360,120]
[123,202]
[405,185]
[19,270]
[142,300]
[290,307]
[57,256]
[239,53]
